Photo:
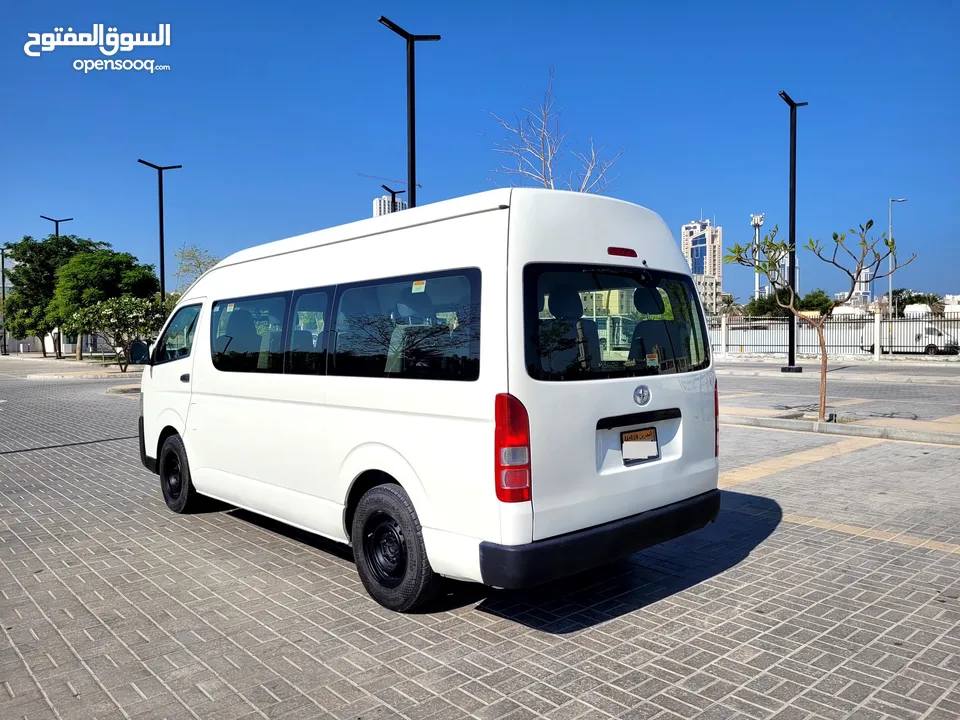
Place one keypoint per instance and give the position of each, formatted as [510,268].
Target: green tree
[863,255]
[903,297]
[816,300]
[90,277]
[767,306]
[34,279]
[119,321]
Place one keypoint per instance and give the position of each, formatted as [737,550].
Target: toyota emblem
[641,396]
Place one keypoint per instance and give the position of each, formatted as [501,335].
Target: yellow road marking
[953,419]
[793,460]
[846,402]
[750,412]
[732,396]
[833,526]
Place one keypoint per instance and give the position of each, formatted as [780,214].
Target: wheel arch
[372,464]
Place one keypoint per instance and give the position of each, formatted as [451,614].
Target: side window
[425,327]
[177,340]
[305,348]
[246,334]
[932,332]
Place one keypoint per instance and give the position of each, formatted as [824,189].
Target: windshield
[585,322]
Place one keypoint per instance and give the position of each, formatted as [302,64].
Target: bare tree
[865,258]
[535,148]
[192,262]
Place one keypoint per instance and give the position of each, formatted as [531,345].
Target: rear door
[620,422]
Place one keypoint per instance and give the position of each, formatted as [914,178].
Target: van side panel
[310,436]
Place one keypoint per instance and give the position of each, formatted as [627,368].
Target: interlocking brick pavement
[111,606]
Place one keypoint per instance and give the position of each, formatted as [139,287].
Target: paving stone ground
[113,607]
[910,401]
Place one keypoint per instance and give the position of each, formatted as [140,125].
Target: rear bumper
[518,566]
[148,462]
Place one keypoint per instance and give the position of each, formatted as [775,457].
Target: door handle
[185,377]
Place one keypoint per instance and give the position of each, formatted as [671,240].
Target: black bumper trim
[148,462]
[640,418]
[519,566]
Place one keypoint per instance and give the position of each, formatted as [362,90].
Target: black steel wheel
[389,550]
[384,549]
[932,350]
[175,482]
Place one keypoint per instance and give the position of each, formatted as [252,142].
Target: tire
[389,551]
[175,483]
[932,350]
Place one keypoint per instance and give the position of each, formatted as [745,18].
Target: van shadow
[602,594]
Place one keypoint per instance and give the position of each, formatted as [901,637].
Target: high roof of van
[465,205]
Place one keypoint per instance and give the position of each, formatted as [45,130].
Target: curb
[854,377]
[124,390]
[848,429]
[83,376]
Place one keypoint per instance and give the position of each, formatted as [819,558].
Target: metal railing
[845,335]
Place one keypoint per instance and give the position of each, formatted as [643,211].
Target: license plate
[638,446]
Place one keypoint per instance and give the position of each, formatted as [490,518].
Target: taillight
[512,446]
[716,419]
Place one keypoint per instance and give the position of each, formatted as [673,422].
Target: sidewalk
[933,372]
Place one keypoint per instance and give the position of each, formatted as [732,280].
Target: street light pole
[792,264]
[757,222]
[891,308]
[56,231]
[56,223]
[160,169]
[393,197]
[3,297]
[411,40]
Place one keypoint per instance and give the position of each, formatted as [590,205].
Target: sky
[275,110]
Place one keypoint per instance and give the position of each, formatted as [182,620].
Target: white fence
[845,335]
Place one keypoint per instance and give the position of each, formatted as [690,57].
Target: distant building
[384,205]
[702,245]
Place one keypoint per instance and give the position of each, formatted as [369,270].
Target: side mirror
[140,353]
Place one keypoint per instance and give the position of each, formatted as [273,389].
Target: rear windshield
[585,322]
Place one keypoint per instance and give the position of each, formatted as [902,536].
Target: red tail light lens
[622,251]
[512,447]
[716,419]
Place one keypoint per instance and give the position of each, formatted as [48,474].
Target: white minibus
[505,388]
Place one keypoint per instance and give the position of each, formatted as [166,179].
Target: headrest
[239,323]
[648,301]
[564,302]
[413,304]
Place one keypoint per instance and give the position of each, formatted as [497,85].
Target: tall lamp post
[757,222]
[411,109]
[160,169]
[56,232]
[792,264]
[56,223]
[891,305]
[3,297]
[393,197]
